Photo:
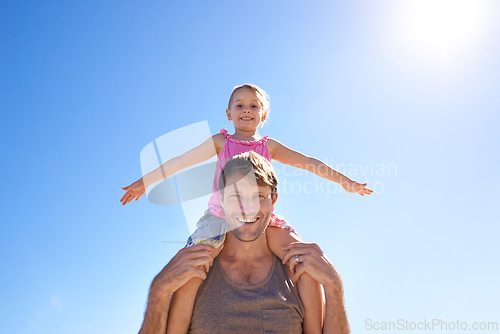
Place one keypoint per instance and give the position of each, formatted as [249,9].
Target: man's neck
[241,251]
[246,263]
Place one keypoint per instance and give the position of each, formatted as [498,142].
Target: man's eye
[238,106]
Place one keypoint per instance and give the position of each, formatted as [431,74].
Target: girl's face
[245,110]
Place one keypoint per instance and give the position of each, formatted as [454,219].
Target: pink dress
[211,227]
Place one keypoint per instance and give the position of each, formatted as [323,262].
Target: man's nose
[249,206]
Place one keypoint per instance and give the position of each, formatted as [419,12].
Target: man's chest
[247,273]
[269,306]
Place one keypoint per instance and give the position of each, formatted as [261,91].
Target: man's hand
[313,261]
[308,258]
[186,264]
[356,187]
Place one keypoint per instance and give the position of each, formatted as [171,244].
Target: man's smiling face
[247,206]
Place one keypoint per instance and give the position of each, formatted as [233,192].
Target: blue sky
[403,95]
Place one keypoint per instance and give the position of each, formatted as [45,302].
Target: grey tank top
[222,306]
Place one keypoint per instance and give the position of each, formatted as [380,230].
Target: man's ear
[274,197]
[228,113]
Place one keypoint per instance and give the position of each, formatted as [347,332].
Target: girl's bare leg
[182,304]
[309,290]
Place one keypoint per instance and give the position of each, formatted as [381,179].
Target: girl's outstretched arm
[287,156]
[200,153]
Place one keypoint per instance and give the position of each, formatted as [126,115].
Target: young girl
[248,108]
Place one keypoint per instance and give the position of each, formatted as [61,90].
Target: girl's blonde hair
[261,94]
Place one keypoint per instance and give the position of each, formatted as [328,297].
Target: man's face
[247,206]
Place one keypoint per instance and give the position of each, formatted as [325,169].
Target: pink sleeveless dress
[211,227]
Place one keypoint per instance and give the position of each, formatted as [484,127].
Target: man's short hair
[245,163]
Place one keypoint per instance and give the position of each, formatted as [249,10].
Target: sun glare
[439,29]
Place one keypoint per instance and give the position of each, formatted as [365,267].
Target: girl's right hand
[135,190]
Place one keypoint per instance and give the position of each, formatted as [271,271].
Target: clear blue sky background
[85,85]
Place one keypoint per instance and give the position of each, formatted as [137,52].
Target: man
[247,290]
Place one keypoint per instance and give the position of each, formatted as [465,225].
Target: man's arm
[183,266]
[335,315]
[155,318]
[314,262]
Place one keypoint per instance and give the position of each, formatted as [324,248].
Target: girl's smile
[246,112]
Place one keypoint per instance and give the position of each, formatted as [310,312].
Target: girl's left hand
[355,187]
